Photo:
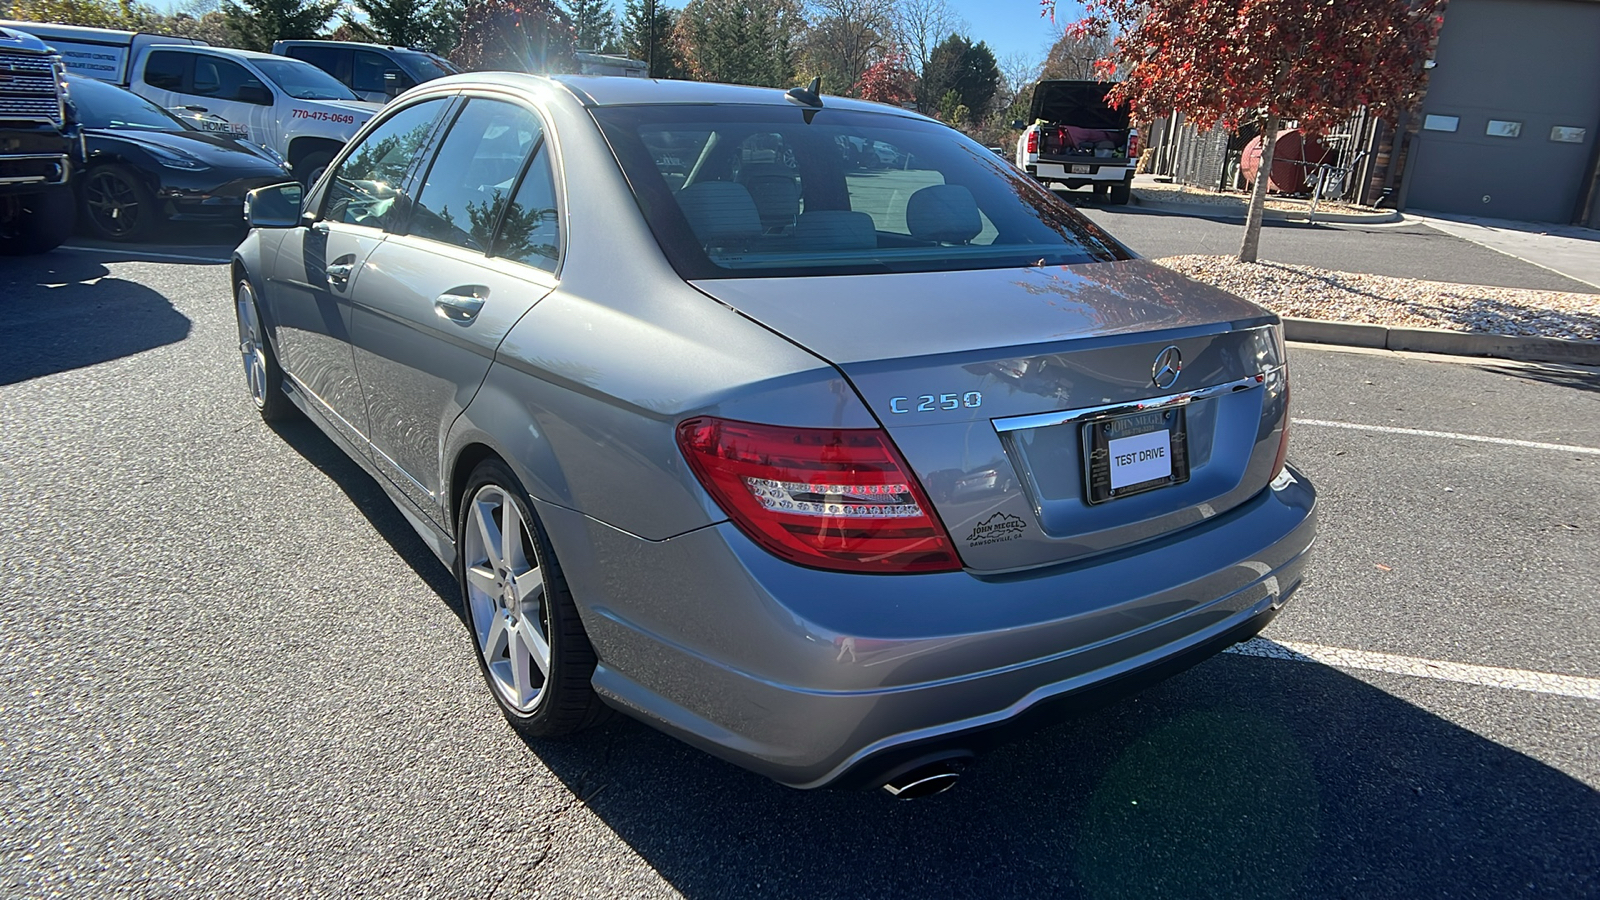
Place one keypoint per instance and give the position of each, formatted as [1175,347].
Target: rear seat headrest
[720,212]
[945,213]
[835,229]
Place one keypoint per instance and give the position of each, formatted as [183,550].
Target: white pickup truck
[286,105]
[282,104]
[1074,138]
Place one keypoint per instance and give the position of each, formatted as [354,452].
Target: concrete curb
[1210,211]
[1434,340]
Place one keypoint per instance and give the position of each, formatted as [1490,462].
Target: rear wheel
[116,204]
[1121,193]
[37,222]
[261,372]
[531,646]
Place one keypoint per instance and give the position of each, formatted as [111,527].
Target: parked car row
[134,129]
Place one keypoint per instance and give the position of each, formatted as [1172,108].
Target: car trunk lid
[987,381]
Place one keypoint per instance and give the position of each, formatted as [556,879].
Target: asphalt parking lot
[229,668]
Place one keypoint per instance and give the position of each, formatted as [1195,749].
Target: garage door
[1512,110]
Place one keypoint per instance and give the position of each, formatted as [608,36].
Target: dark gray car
[835,469]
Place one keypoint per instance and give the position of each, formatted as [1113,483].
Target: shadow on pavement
[368,496]
[63,311]
[1577,379]
[1242,778]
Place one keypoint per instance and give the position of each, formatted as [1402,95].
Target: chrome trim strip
[59,159]
[1062,417]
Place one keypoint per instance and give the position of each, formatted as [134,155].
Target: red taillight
[1133,145]
[1283,441]
[1033,140]
[828,498]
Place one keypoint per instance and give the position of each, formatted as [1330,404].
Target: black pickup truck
[39,147]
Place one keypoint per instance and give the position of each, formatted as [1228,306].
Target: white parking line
[1451,435]
[1488,676]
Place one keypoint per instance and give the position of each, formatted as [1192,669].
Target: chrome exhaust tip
[923,781]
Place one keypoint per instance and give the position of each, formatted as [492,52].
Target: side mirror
[274,206]
[393,84]
[257,94]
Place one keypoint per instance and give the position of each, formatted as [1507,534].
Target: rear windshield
[761,191]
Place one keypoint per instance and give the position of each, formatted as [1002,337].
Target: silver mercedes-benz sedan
[802,428]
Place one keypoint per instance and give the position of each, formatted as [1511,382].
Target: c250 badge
[935,402]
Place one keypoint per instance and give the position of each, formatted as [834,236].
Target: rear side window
[761,191]
[324,58]
[530,230]
[470,180]
[164,69]
[369,182]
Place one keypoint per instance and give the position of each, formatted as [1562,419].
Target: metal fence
[1210,159]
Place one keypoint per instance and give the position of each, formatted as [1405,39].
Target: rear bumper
[1111,171]
[815,678]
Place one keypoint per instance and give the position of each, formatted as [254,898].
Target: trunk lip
[1181,398]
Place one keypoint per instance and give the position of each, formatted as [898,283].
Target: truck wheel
[1100,191]
[1121,193]
[36,223]
[311,166]
[117,205]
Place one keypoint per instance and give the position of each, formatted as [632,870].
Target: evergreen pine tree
[595,25]
[255,24]
[666,61]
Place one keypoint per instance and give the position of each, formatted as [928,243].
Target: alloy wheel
[113,202]
[250,347]
[506,598]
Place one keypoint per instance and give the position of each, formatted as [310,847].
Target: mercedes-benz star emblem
[1169,363]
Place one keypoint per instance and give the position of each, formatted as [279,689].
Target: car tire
[36,223]
[519,611]
[1121,193]
[311,166]
[117,206]
[261,373]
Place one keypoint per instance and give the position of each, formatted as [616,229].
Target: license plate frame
[1079,170]
[1098,434]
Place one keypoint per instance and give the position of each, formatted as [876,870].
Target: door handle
[461,304]
[339,274]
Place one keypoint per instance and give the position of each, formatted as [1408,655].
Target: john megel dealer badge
[998,527]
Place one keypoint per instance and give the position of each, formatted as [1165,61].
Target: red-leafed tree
[1238,61]
[888,80]
[516,36]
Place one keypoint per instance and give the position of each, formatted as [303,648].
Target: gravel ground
[1312,293]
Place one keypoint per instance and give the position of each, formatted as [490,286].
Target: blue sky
[1014,26]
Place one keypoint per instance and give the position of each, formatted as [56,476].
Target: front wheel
[117,205]
[530,644]
[261,372]
[37,222]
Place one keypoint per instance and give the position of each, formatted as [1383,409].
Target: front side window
[303,81]
[760,191]
[164,69]
[367,75]
[222,79]
[470,180]
[369,181]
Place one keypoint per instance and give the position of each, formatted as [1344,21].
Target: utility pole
[652,54]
